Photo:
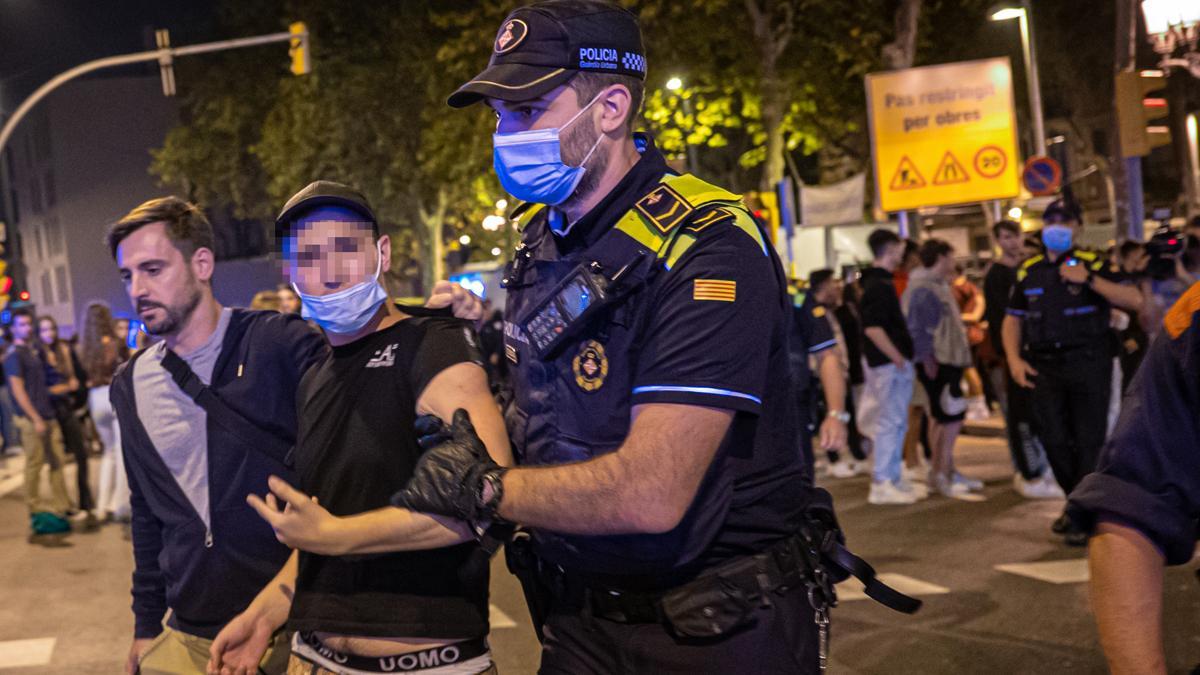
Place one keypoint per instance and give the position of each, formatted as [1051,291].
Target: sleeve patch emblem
[712,217]
[717,290]
[664,207]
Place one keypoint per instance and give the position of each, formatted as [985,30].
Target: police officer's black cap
[323,193]
[541,46]
[1062,211]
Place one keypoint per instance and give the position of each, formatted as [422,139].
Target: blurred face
[946,268]
[1011,243]
[892,255]
[331,250]
[122,327]
[163,287]
[289,302]
[22,328]
[47,332]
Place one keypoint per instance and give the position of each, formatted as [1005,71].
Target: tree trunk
[901,53]
[1125,53]
[772,25]
[433,268]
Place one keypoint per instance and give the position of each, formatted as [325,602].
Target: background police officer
[1056,334]
[652,411]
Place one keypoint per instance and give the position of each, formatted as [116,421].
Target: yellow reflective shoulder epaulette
[1024,271]
[1086,255]
[525,213]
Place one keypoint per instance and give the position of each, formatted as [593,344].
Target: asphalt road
[66,610]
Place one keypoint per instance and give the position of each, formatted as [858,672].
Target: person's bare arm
[241,644]
[645,486]
[1020,369]
[833,432]
[881,340]
[16,384]
[1126,591]
[977,308]
[1121,295]
[306,525]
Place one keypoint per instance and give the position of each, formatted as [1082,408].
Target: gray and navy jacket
[207,575]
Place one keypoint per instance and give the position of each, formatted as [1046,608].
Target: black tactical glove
[449,477]
[431,431]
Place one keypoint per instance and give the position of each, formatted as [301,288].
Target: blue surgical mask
[1058,238]
[348,310]
[530,167]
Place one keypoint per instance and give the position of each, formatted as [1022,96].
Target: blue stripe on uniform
[823,346]
[695,390]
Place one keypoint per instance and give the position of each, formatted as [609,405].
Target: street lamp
[465,239]
[493,223]
[1025,16]
[1015,213]
[675,84]
[1172,23]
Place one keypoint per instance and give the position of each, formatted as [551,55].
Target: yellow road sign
[943,134]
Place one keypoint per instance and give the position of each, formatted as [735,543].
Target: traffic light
[301,63]
[6,284]
[1141,118]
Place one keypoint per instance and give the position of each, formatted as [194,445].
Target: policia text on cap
[673,526]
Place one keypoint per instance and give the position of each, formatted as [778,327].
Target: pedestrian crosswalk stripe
[1074,571]
[25,653]
[499,619]
[852,589]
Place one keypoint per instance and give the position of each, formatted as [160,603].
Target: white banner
[836,204]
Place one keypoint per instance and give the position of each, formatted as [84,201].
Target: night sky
[41,38]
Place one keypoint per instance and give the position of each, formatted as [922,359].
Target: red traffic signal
[24,296]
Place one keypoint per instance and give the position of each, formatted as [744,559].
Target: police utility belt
[724,598]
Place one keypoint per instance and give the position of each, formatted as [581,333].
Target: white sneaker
[918,489]
[1039,488]
[948,487]
[977,409]
[886,492]
[914,474]
[846,468]
[973,484]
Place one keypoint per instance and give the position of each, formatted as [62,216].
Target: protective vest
[575,404]
[1061,315]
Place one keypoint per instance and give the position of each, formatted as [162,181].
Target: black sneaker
[1061,525]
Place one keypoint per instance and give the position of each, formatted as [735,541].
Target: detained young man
[372,588]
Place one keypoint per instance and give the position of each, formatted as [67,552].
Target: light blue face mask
[530,167]
[1058,238]
[348,310]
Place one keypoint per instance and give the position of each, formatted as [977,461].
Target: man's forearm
[1121,295]
[392,529]
[1010,334]
[833,380]
[1126,590]
[274,601]
[881,340]
[583,498]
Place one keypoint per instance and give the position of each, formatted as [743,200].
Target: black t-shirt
[997,287]
[26,363]
[356,446]
[880,307]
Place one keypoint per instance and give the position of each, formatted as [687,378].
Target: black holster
[524,565]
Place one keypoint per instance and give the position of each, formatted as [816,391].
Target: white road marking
[25,653]
[969,497]
[1073,571]
[852,589]
[499,619]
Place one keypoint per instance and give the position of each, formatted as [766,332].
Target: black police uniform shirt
[811,334]
[1057,315]
[356,445]
[1148,476]
[710,331]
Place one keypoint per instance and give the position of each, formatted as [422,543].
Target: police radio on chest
[567,309]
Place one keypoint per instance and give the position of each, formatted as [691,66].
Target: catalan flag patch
[718,290]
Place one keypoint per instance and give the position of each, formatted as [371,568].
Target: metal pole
[125,59]
[1193,163]
[902,222]
[1035,86]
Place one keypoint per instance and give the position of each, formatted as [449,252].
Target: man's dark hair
[1128,247]
[187,228]
[22,311]
[587,85]
[880,239]
[1009,226]
[819,278]
[933,249]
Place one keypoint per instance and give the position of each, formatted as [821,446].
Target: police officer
[813,338]
[674,528]
[1057,335]
[1144,498]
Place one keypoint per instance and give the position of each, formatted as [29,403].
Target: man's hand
[1021,371]
[930,366]
[448,478]
[140,645]
[833,434]
[40,427]
[1075,273]
[464,303]
[302,523]
[242,643]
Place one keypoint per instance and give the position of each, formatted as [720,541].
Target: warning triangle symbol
[950,171]
[907,177]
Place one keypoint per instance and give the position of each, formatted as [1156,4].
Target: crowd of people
[922,347]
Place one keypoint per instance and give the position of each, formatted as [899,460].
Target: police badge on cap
[540,47]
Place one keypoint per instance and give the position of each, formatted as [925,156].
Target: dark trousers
[1019,421]
[1070,401]
[72,432]
[783,639]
